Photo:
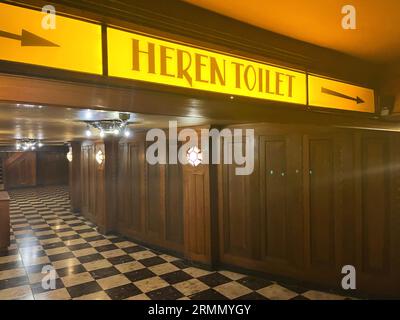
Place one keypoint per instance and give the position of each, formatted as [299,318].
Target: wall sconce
[69,156]
[100,157]
[194,156]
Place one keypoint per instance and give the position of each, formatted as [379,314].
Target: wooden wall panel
[275,200]
[174,203]
[144,213]
[197,213]
[236,214]
[35,168]
[336,204]
[137,170]
[318,199]
[280,177]
[75,192]
[155,190]
[375,205]
[260,215]
[20,169]
[93,183]
[130,188]
[52,168]
[322,219]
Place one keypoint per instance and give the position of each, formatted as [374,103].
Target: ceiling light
[88,132]
[26,144]
[115,127]
[127,133]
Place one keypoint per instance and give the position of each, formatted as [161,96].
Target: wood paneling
[150,199]
[92,183]
[322,217]
[4,221]
[173,203]
[327,198]
[52,168]
[131,188]
[375,205]
[280,177]
[197,213]
[155,200]
[318,199]
[75,192]
[237,214]
[20,169]
[42,168]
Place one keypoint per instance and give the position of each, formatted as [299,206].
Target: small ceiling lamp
[194,156]
[115,127]
[100,157]
[88,133]
[28,144]
[127,133]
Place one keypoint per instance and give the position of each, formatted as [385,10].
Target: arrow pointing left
[27,38]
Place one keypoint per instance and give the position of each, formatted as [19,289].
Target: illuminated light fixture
[100,157]
[194,156]
[28,144]
[69,155]
[116,127]
[88,133]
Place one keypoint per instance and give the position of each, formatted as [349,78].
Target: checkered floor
[93,266]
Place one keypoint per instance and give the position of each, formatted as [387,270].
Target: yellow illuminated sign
[73,44]
[328,93]
[144,58]
[77,45]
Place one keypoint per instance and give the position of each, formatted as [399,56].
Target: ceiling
[375,39]
[55,125]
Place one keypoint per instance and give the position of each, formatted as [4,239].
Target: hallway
[92,266]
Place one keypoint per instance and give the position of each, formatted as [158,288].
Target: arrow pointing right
[341,95]
[28,39]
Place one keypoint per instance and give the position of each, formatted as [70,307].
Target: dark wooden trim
[217,108]
[75,177]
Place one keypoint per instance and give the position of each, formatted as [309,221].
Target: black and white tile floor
[93,266]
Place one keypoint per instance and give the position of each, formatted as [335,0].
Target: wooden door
[281,224]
